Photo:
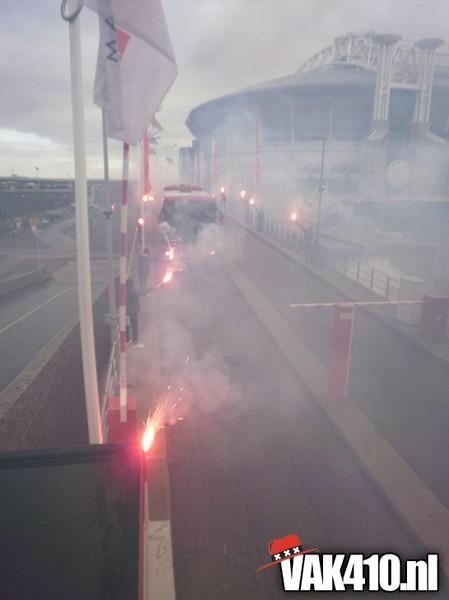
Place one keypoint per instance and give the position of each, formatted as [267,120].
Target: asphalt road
[30,317]
[403,391]
[254,458]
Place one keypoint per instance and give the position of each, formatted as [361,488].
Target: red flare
[148,437]
[168,277]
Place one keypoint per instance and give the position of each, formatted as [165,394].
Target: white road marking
[30,312]
[161,582]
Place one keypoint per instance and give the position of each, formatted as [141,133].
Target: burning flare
[294,216]
[167,277]
[148,436]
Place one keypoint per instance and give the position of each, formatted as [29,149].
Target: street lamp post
[35,231]
[321,188]
[38,189]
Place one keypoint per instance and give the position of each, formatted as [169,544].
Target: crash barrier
[44,406]
[13,284]
[377,281]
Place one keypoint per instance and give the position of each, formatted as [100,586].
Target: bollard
[341,340]
[434,317]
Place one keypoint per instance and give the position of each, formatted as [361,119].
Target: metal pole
[123,275]
[142,192]
[212,165]
[257,161]
[109,244]
[82,238]
[38,250]
[320,197]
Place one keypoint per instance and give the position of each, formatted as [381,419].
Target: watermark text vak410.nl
[356,572]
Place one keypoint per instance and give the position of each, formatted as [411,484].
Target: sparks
[170,254]
[148,436]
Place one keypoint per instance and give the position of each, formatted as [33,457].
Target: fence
[380,283]
[113,371]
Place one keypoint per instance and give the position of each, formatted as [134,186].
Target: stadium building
[374,108]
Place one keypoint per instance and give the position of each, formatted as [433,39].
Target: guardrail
[380,283]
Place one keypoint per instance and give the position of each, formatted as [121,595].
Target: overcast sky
[221,45]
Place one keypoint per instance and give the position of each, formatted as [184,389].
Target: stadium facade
[376,107]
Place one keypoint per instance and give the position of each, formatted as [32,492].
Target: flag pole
[212,164]
[82,229]
[109,245]
[142,191]
[146,173]
[257,162]
[123,273]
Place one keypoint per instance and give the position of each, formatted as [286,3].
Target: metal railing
[380,283]
[113,371]
[110,388]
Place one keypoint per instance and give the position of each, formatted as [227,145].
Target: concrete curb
[362,294]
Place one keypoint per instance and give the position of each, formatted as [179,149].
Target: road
[254,457]
[30,317]
[401,389]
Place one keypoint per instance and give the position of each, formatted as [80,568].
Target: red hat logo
[285,548]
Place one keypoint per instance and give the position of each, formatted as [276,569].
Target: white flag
[136,64]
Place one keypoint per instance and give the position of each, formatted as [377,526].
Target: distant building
[27,196]
[381,105]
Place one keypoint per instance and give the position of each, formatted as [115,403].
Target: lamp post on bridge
[321,188]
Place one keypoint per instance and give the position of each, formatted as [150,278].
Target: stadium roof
[350,61]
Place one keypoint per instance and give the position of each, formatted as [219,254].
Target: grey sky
[221,45]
